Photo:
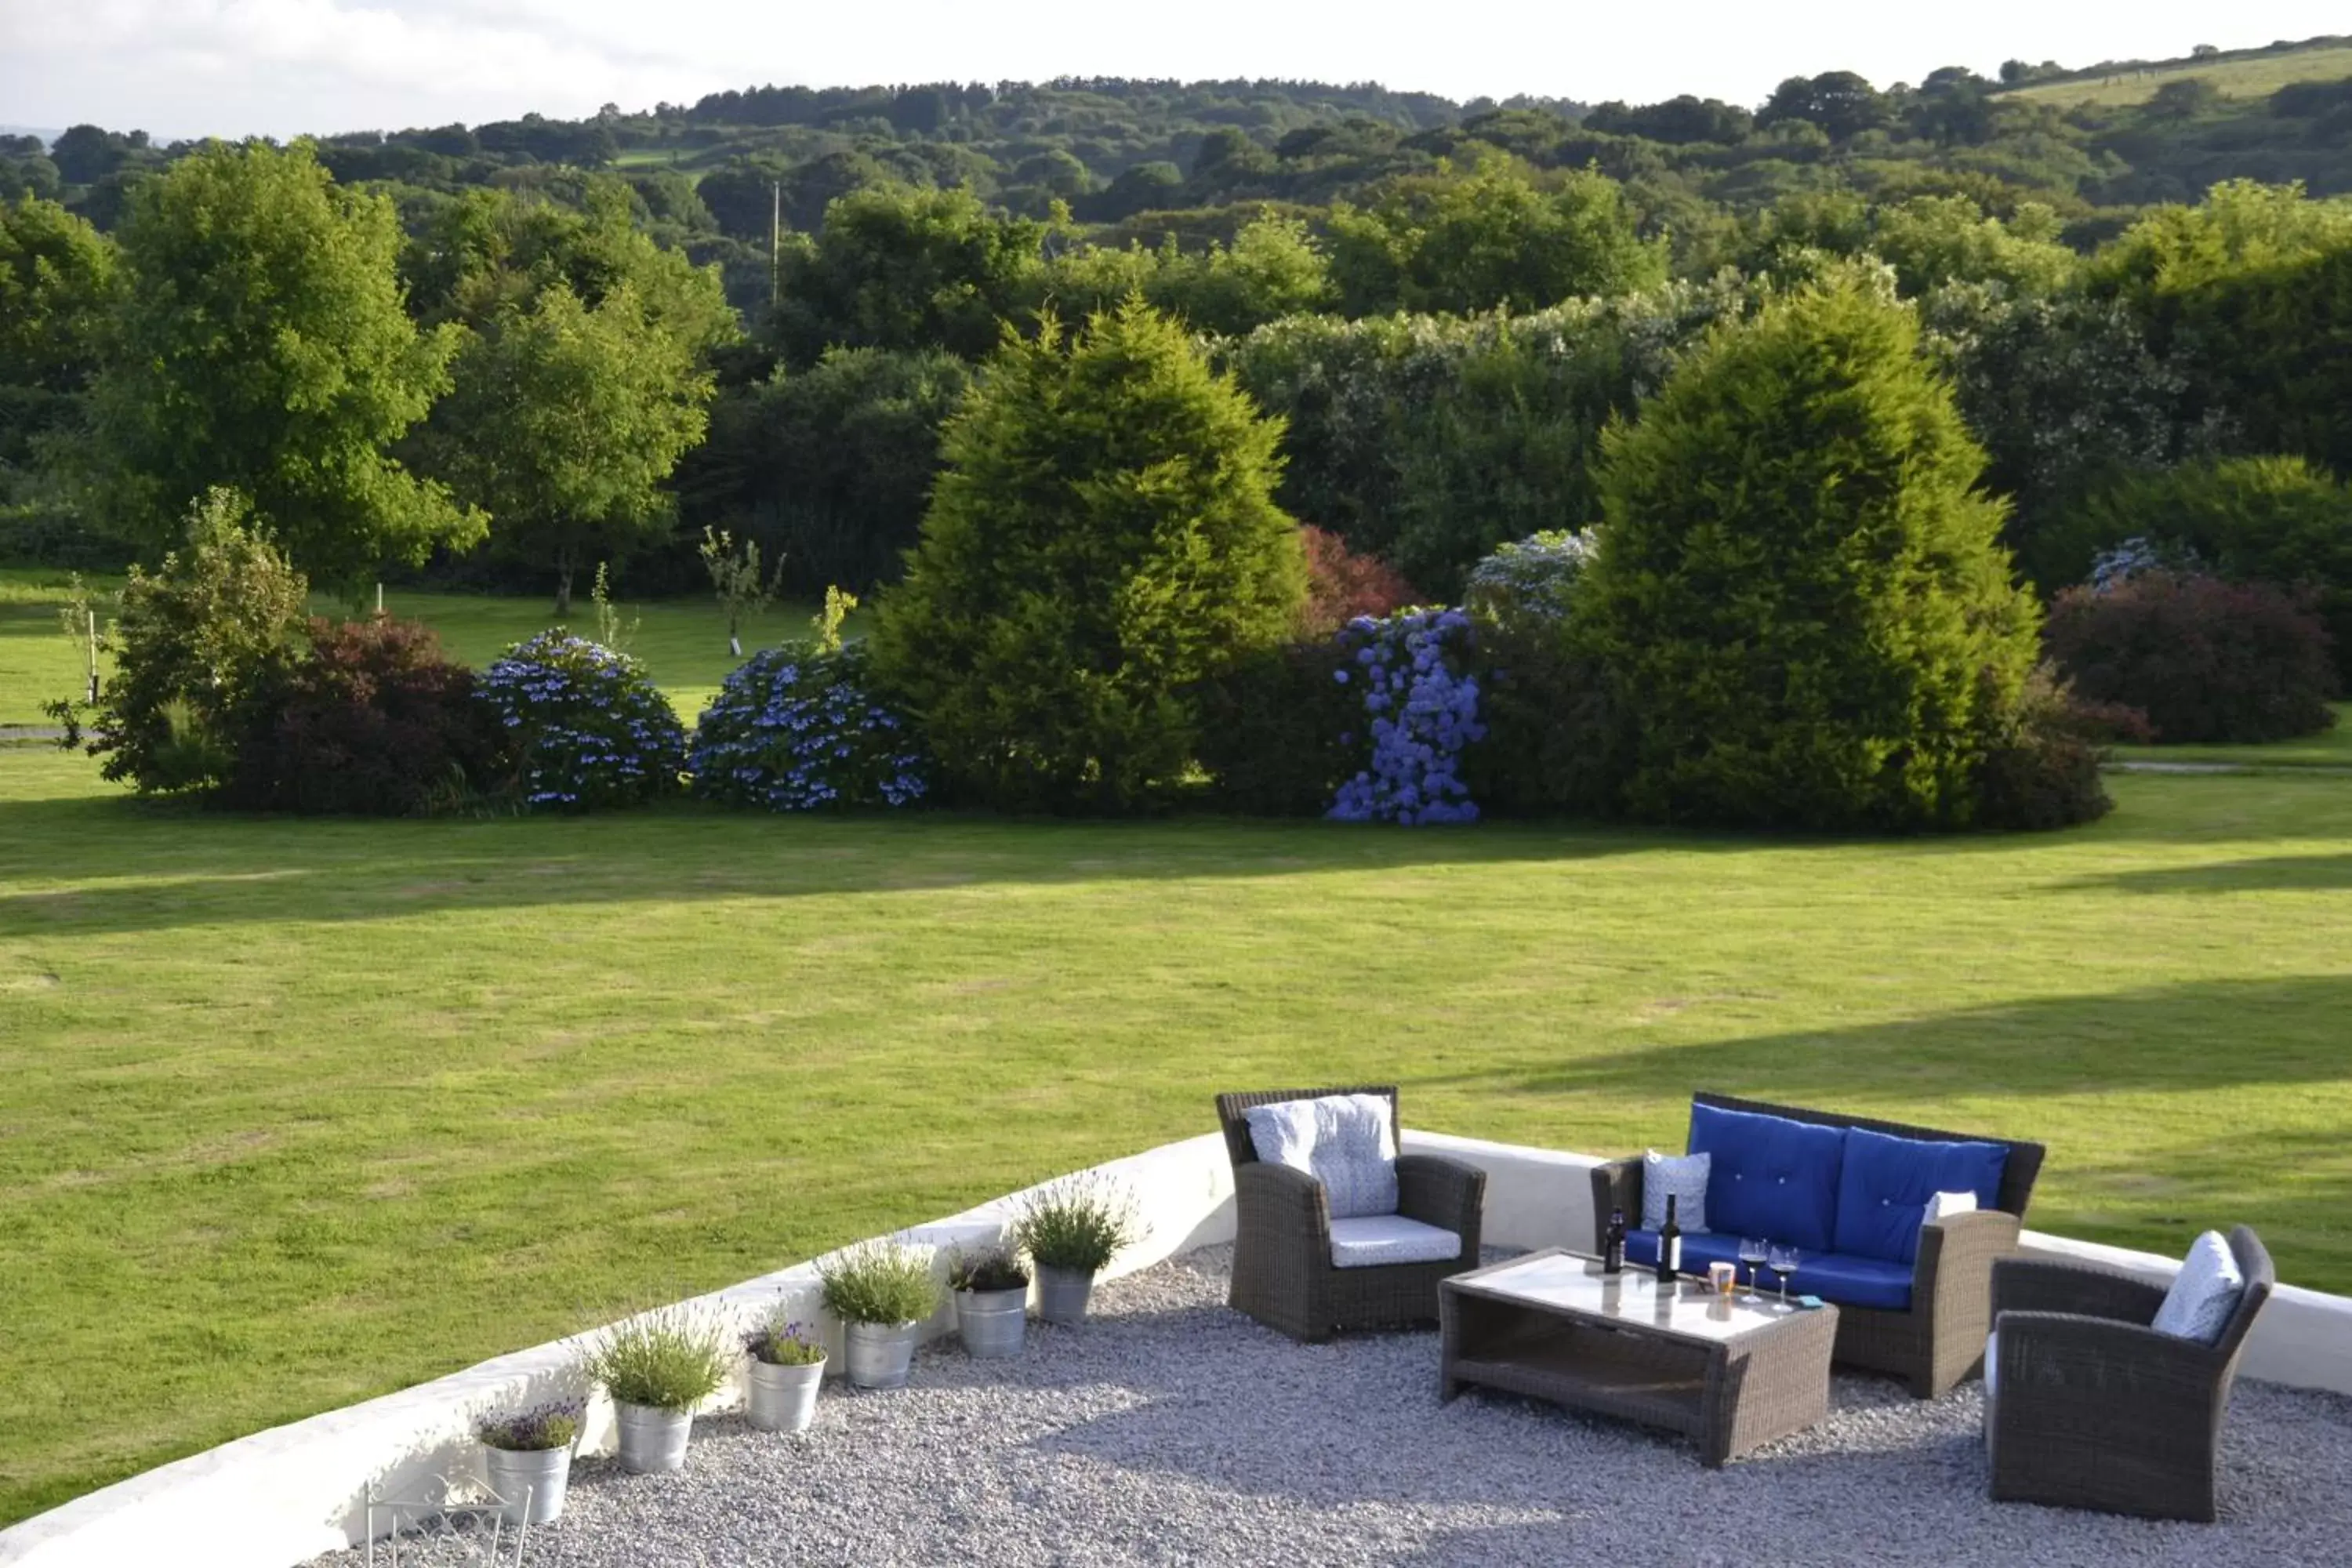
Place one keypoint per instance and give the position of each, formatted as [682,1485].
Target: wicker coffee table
[1552,1326]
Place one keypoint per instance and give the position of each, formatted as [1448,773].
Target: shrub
[1554,743]
[879,1282]
[2042,771]
[2204,659]
[988,1268]
[1419,712]
[1530,580]
[795,729]
[780,1341]
[198,646]
[587,726]
[1798,596]
[374,721]
[670,1360]
[1103,539]
[1278,733]
[1342,585]
[1078,1222]
[555,1424]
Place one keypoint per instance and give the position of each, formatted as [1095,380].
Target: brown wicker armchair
[1940,1340]
[1283,1272]
[2088,1406]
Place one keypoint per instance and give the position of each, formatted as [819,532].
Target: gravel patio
[1171,1430]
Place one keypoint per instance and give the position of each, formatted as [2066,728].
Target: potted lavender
[1071,1230]
[991,1298]
[882,1291]
[529,1456]
[780,1387]
[658,1368]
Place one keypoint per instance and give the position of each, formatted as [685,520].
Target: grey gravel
[1171,1429]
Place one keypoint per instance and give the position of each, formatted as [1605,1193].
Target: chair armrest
[2102,1368]
[2079,1289]
[1616,1185]
[1276,1206]
[1446,1193]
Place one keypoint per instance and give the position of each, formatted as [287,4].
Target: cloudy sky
[184,67]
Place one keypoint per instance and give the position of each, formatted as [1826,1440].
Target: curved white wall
[280,1497]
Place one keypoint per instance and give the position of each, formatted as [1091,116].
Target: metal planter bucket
[781,1398]
[879,1353]
[1062,1293]
[529,1481]
[994,1323]
[653,1441]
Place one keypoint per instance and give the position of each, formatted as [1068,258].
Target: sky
[279,67]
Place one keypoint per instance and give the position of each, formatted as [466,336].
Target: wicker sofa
[2088,1406]
[1924,1320]
[1284,1275]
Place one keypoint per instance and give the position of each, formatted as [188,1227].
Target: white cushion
[1343,1141]
[1684,1178]
[1992,1361]
[1943,1205]
[2203,1294]
[1375,1239]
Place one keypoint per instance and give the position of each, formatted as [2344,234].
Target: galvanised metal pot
[880,1353]
[530,1482]
[653,1441]
[781,1398]
[1062,1293]
[994,1323]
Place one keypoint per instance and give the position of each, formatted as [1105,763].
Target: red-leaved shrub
[2203,659]
[1342,585]
[374,721]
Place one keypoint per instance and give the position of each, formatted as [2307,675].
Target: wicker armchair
[1282,1273]
[1940,1341]
[2088,1406]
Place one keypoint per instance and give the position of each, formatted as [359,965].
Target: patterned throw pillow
[2204,1293]
[1684,1176]
[1343,1141]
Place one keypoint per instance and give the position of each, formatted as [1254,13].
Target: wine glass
[1752,1252]
[1782,1258]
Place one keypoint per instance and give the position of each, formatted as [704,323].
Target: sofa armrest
[1953,1273]
[1446,1193]
[1616,1185]
[2081,1289]
[1276,1206]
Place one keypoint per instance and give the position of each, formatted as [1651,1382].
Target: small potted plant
[1071,1230]
[529,1456]
[780,1387]
[658,1368]
[991,1298]
[882,1292]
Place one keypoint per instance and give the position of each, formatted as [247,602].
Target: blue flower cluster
[588,725]
[1423,713]
[793,730]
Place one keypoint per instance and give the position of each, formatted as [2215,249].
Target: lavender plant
[554,1425]
[795,729]
[1420,712]
[781,1342]
[588,726]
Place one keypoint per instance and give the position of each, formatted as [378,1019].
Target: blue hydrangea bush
[796,729]
[1421,709]
[1530,581]
[589,728]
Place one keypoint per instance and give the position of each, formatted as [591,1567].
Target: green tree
[56,286]
[1272,269]
[1103,539]
[264,346]
[899,268]
[1497,238]
[1798,593]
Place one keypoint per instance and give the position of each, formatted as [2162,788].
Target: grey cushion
[1684,1176]
[2204,1293]
[1376,1240]
[1343,1141]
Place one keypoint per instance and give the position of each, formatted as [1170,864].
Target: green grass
[683,642]
[2329,749]
[298,1112]
[2247,76]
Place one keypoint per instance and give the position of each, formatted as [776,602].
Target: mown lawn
[2258,75]
[2329,749]
[297,1112]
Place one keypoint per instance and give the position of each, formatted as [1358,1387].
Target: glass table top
[1573,1283]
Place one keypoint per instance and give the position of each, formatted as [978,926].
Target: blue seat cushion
[1837,1277]
[1771,1176]
[1885,1183]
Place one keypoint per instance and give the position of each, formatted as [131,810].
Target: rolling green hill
[2238,74]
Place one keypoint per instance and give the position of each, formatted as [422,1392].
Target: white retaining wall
[280,1497]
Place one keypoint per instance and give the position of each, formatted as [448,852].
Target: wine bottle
[1670,1247]
[1612,1249]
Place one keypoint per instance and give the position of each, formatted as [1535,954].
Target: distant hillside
[2233,73]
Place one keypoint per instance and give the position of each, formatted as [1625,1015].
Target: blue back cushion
[1887,1181]
[1771,1176]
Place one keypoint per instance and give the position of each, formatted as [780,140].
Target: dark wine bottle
[1670,1247]
[1612,1248]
